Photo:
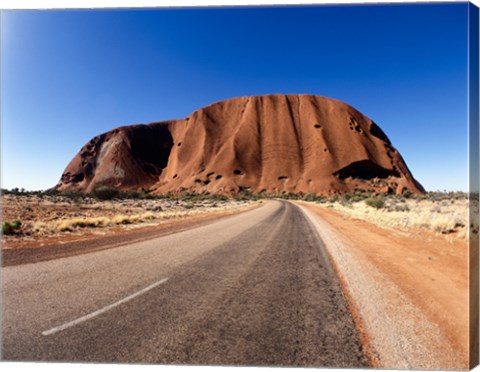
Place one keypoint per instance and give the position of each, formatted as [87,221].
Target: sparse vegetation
[310,197]
[71,224]
[401,208]
[105,192]
[375,202]
[9,228]
[45,214]
[439,212]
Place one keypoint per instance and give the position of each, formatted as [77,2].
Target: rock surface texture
[275,143]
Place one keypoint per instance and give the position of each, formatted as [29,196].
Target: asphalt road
[253,289]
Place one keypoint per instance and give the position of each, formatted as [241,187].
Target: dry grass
[72,224]
[47,216]
[57,215]
[440,217]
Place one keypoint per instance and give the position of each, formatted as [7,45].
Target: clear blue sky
[70,75]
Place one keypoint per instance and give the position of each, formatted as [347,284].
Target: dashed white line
[102,310]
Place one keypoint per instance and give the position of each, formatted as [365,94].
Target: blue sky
[70,75]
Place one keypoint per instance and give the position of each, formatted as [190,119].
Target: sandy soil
[427,278]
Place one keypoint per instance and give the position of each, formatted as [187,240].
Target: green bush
[9,228]
[16,224]
[375,202]
[105,192]
[358,195]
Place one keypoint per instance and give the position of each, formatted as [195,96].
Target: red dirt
[430,271]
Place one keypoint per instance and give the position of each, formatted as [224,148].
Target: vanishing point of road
[252,289]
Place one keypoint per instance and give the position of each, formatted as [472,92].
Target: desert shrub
[402,208]
[219,197]
[310,197]
[132,194]
[169,196]
[355,196]
[76,196]
[246,195]
[286,196]
[346,197]
[51,192]
[346,201]
[105,192]
[407,194]
[145,194]
[123,219]
[375,202]
[9,228]
[260,195]
[333,198]
[71,224]
[346,204]
[243,195]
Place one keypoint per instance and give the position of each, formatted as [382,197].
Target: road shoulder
[410,293]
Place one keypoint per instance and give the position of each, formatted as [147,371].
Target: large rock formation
[275,143]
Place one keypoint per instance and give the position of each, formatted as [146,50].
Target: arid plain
[277,230]
[412,253]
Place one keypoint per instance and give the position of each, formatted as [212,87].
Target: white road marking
[102,310]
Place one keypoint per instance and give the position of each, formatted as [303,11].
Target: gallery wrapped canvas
[258,185]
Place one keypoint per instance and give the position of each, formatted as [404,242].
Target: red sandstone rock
[275,143]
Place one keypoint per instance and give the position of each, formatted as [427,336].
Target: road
[253,289]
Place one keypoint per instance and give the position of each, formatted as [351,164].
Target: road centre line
[102,310]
